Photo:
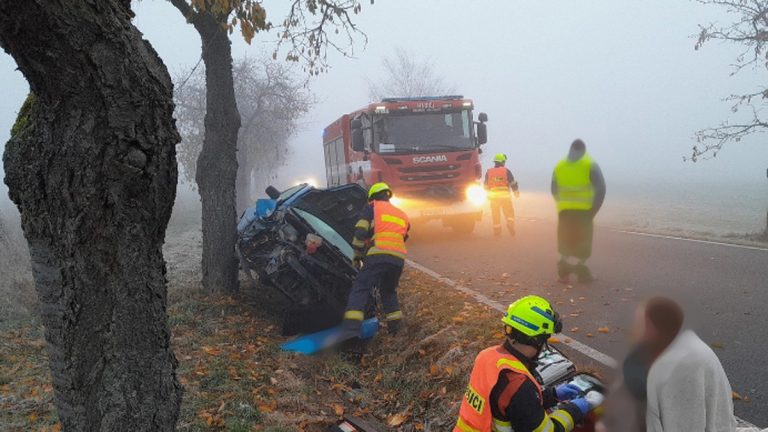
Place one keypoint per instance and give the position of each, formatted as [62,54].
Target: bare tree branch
[310,28]
[406,76]
[750,29]
[270,99]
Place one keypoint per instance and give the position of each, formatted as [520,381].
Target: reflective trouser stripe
[564,418]
[353,315]
[462,426]
[546,425]
[396,315]
[502,426]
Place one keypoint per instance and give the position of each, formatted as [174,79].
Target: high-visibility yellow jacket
[575,190]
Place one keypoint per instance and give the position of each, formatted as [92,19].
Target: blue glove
[582,404]
[566,392]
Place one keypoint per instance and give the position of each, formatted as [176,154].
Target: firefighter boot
[583,274]
[393,326]
[350,329]
[511,227]
[564,270]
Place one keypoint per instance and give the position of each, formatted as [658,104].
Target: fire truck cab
[426,148]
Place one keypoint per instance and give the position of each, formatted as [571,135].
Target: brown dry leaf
[398,419]
[56,427]
[458,319]
[589,335]
[338,409]
[211,350]
[716,345]
[575,330]
[736,396]
[32,418]
[553,340]
[265,408]
[434,369]
[604,330]
[418,426]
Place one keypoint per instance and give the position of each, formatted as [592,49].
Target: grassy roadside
[237,379]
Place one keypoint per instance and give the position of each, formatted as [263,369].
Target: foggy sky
[623,76]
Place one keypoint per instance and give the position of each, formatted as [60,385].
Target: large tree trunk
[93,173]
[217,164]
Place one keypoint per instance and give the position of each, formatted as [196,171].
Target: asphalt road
[723,289]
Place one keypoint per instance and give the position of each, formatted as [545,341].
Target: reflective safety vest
[498,181]
[574,187]
[390,226]
[475,413]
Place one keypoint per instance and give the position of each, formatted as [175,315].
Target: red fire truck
[426,148]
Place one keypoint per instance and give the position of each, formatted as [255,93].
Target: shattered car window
[327,233]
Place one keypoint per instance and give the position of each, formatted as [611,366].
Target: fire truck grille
[428,168]
[442,176]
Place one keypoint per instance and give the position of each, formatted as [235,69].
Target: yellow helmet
[533,316]
[500,158]
[378,187]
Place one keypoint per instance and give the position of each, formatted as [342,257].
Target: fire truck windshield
[423,132]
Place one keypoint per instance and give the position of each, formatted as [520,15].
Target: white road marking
[668,237]
[585,349]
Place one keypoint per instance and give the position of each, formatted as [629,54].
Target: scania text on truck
[426,148]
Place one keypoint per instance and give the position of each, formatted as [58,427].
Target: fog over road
[723,288]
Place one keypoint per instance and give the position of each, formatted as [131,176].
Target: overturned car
[298,242]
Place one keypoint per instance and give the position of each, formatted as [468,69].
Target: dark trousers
[382,271]
[499,205]
[574,233]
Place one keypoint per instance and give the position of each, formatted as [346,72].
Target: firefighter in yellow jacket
[503,395]
[380,251]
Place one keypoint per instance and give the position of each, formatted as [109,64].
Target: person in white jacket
[687,389]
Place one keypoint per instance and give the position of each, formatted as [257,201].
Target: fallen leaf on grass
[604,330]
[338,409]
[211,350]
[398,419]
[434,369]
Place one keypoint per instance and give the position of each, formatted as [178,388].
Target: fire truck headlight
[477,195]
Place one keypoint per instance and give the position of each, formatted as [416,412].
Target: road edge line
[583,348]
[692,240]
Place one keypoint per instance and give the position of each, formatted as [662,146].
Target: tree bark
[217,164]
[93,173]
